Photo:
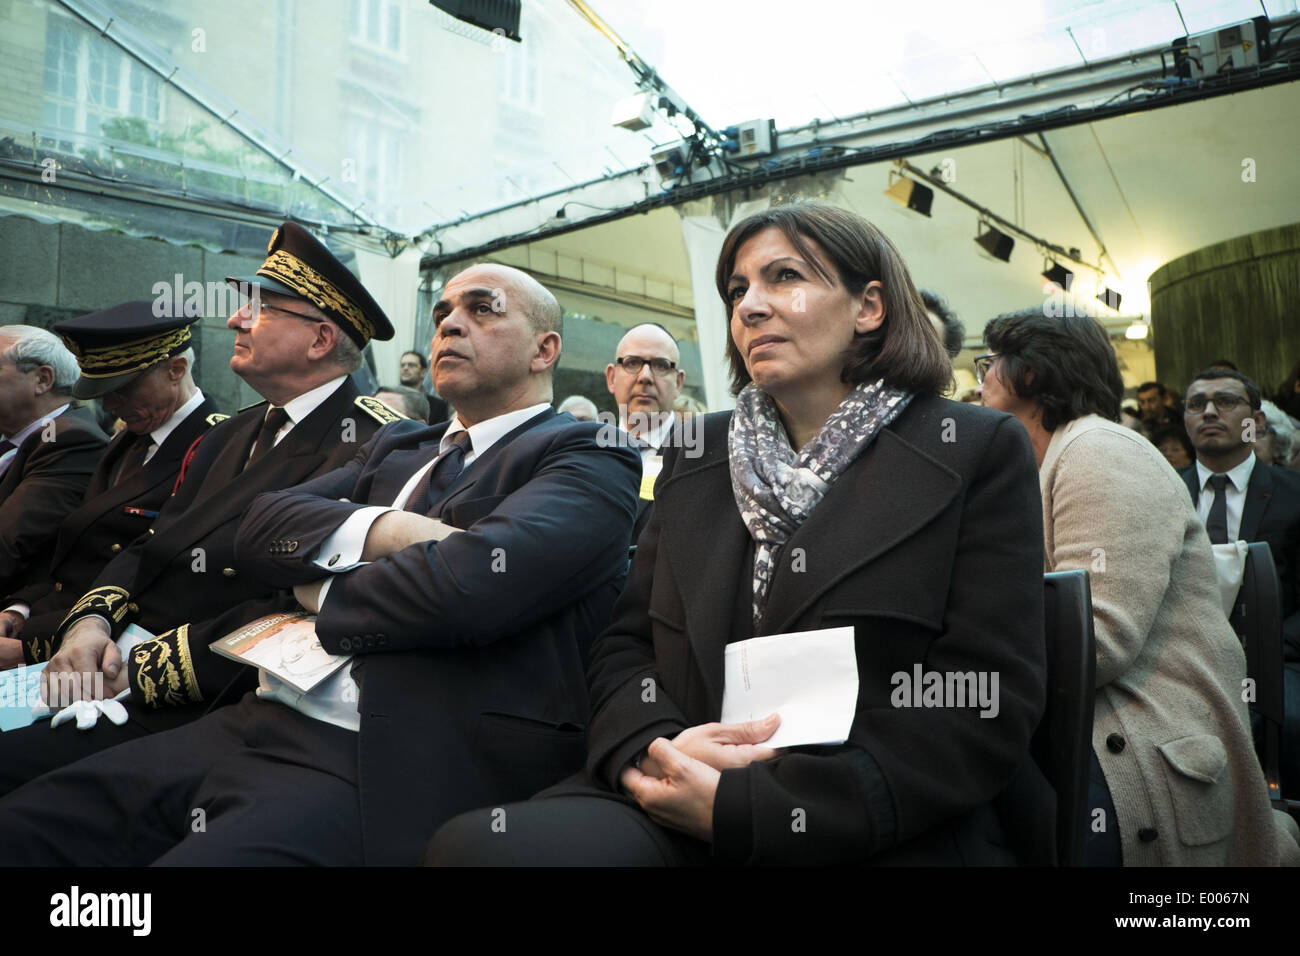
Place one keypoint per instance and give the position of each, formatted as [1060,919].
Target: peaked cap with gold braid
[116,345]
[299,266]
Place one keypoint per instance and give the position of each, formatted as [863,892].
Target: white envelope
[810,678]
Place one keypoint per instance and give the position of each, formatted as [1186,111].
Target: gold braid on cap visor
[129,356]
[306,281]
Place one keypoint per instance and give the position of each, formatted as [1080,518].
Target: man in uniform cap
[295,343]
[141,368]
[48,449]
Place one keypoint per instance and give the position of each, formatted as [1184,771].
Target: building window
[89,80]
[519,75]
[375,149]
[378,24]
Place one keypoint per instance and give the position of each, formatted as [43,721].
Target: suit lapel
[884,497]
[161,468]
[707,546]
[118,446]
[224,495]
[1258,492]
[1190,480]
[481,463]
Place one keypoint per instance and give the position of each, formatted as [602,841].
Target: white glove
[86,712]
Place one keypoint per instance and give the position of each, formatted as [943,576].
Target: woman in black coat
[841,491]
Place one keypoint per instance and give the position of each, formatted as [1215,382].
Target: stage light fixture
[1109,298]
[995,242]
[909,193]
[1138,330]
[496,16]
[635,112]
[1058,275]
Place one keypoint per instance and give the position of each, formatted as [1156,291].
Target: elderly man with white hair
[49,449]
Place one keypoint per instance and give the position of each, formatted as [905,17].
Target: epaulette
[378,410]
[216,418]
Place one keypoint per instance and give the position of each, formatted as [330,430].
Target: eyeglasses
[632,364]
[982,363]
[1223,402]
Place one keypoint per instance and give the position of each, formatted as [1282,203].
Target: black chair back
[1062,743]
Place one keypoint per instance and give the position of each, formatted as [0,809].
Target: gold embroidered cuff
[109,601]
[162,671]
[38,650]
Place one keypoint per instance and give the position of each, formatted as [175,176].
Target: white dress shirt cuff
[20,608]
[341,551]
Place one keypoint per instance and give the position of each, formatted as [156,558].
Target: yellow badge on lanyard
[650,468]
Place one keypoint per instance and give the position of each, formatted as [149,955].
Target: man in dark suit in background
[412,373]
[469,614]
[1239,497]
[296,344]
[49,450]
[645,380]
[141,367]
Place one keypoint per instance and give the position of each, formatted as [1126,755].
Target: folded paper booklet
[810,678]
[284,645]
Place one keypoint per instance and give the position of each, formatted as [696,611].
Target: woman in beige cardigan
[1171,732]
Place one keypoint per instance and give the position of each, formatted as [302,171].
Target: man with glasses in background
[645,381]
[1240,498]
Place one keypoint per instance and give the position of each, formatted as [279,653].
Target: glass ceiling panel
[821,59]
[390,112]
[383,111]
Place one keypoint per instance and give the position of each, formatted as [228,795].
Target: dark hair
[1065,364]
[424,362]
[1252,390]
[954,332]
[1147,386]
[1222,363]
[902,351]
[1177,432]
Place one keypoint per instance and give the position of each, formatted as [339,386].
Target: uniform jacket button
[229,572]
[293,546]
[1115,743]
[1147,834]
[58,585]
[115,548]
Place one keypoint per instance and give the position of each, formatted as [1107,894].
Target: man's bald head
[645,393]
[536,301]
[495,342]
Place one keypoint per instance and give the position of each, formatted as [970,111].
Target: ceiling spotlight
[911,194]
[636,112]
[1110,298]
[496,16]
[1138,330]
[996,243]
[1058,275]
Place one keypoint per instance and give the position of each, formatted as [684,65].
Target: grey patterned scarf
[776,488]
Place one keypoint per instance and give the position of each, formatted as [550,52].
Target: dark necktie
[426,500]
[276,418]
[1217,522]
[133,460]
